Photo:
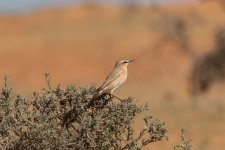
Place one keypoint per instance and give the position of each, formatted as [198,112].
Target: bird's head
[123,62]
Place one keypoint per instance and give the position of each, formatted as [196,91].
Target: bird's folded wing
[115,74]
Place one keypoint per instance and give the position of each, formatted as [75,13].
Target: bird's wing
[110,78]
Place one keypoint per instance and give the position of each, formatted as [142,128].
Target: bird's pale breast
[117,77]
[120,80]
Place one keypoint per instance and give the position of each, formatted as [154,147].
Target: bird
[115,79]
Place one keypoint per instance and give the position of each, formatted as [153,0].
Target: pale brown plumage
[116,78]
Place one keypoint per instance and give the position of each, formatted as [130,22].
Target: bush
[185,143]
[64,119]
[210,68]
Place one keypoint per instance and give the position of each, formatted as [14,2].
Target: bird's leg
[115,97]
[110,96]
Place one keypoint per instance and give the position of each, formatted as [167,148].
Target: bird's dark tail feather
[96,98]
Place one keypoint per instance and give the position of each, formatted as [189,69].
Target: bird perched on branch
[115,79]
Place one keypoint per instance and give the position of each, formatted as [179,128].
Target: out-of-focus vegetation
[185,143]
[210,68]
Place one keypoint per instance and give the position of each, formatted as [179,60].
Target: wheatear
[115,79]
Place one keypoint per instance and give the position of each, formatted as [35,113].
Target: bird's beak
[130,61]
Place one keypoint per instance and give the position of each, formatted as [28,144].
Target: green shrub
[57,118]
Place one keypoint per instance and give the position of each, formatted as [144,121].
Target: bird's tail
[96,96]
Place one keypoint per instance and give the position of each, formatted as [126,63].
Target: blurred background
[178,47]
